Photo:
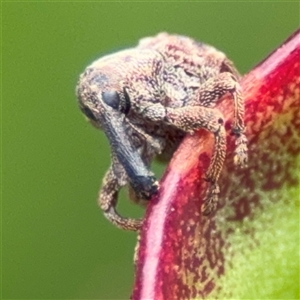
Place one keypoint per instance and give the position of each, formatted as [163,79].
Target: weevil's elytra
[146,99]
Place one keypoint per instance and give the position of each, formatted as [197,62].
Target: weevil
[146,99]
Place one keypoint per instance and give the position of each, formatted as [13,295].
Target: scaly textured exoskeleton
[146,99]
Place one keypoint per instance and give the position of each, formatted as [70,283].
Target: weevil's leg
[190,118]
[136,250]
[107,200]
[209,94]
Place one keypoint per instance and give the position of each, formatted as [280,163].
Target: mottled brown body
[146,99]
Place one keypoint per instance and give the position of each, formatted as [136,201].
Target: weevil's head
[103,99]
[99,91]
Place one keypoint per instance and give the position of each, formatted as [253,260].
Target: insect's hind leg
[107,200]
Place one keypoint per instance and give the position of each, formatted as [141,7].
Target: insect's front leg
[107,200]
[189,119]
[208,95]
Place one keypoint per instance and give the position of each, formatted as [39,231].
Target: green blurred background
[55,242]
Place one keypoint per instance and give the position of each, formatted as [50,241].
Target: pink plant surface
[248,248]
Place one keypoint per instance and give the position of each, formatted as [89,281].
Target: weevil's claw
[241,152]
[210,200]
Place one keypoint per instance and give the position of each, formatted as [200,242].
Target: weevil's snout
[145,186]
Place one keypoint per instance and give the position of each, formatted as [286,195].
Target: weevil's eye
[88,113]
[111,98]
[117,101]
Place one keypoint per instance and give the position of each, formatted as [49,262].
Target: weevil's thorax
[132,69]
